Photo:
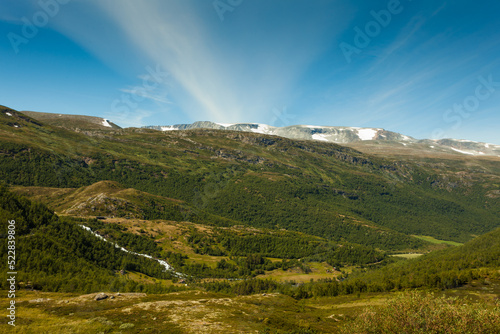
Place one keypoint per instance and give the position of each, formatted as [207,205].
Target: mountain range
[345,135]
[356,137]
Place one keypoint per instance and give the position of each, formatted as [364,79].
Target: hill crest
[73,122]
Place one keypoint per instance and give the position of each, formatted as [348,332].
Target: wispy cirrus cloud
[212,78]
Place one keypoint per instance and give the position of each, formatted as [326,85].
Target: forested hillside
[445,269]
[57,254]
[256,180]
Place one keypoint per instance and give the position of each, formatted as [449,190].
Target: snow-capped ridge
[343,135]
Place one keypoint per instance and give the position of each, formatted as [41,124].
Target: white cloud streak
[212,79]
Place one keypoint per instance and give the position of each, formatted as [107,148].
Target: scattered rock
[126,325]
[39,300]
[101,320]
[101,296]
[112,297]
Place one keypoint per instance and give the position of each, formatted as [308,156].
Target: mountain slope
[105,198]
[266,181]
[445,269]
[56,254]
[73,122]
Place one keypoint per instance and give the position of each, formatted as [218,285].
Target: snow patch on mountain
[367,134]
[319,136]
[169,128]
[406,138]
[105,123]
[314,126]
[262,128]
[463,152]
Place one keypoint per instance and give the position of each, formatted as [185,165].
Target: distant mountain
[73,122]
[334,134]
[465,146]
[346,135]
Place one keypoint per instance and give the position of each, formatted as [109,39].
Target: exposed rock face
[39,300]
[101,296]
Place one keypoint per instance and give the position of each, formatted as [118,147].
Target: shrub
[414,312]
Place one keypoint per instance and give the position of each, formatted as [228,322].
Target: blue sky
[428,69]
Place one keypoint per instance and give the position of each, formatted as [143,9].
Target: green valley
[263,234]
